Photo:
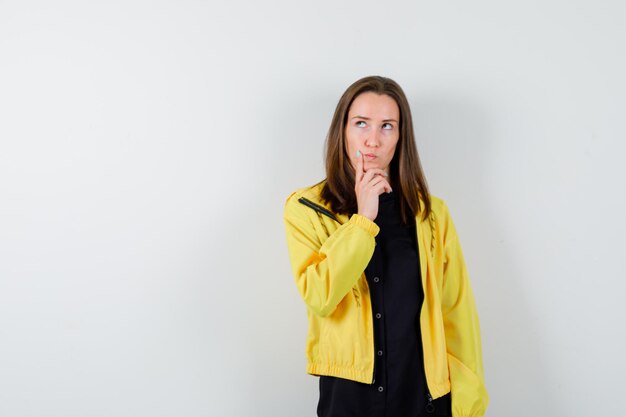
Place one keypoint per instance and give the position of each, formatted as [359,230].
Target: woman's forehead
[370,105]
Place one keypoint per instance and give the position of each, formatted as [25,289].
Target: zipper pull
[430,408]
[374,371]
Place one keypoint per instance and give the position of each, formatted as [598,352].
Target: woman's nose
[373,139]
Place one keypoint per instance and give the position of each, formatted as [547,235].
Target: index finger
[359,167]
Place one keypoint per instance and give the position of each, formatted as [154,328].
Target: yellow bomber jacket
[329,253]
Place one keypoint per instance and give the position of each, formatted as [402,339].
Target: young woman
[393,328]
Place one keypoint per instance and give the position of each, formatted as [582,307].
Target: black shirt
[393,275]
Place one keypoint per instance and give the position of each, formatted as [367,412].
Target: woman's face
[373,128]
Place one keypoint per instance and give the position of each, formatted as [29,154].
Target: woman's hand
[368,185]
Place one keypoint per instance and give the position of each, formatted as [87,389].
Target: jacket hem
[348,372]
[345,372]
[439,390]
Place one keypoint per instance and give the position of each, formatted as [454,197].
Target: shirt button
[380,389]
[378,315]
[376,279]
[380,353]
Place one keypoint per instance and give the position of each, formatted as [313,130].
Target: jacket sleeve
[462,330]
[326,271]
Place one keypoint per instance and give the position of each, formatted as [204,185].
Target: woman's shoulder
[440,214]
[436,203]
[310,192]
[438,208]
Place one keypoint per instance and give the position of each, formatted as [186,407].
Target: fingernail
[358,153]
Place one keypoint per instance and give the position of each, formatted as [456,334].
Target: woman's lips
[370,156]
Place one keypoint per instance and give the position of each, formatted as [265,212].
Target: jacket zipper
[429,407]
[318,208]
[374,371]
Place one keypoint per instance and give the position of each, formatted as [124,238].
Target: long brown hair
[405,169]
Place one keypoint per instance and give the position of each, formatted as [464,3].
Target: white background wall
[147,148]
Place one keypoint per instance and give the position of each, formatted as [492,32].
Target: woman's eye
[388,124]
[360,121]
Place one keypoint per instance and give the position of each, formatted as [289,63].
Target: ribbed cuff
[362,221]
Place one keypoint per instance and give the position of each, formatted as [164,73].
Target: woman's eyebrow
[367,118]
